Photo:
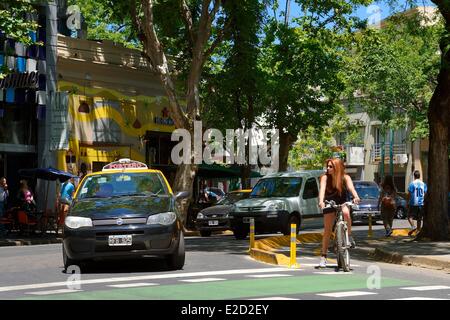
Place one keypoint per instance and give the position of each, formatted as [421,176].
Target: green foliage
[15,25]
[395,69]
[232,85]
[13,20]
[314,145]
[301,72]
[103,22]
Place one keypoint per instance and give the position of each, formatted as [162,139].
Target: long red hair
[337,181]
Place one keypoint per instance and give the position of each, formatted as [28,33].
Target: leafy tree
[232,83]
[436,224]
[315,145]
[406,82]
[394,70]
[177,39]
[301,71]
[104,25]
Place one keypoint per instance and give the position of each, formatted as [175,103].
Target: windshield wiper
[143,194]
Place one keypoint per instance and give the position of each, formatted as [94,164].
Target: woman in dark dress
[334,186]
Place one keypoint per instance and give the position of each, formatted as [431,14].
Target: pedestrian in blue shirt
[65,199]
[416,196]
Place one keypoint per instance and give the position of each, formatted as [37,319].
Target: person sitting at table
[26,198]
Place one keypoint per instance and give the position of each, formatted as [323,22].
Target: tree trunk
[184,181]
[245,176]
[286,141]
[436,204]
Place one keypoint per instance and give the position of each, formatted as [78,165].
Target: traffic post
[252,233]
[369,234]
[293,256]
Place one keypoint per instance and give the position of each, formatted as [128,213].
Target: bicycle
[342,241]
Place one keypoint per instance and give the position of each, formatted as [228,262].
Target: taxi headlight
[77,222]
[200,215]
[165,218]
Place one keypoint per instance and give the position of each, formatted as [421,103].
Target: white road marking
[346,294]
[204,280]
[273,275]
[274,298]
[427,288]
[132,285]
[332,273]
[44,293]
[143,278]
[420,298]
[328,265]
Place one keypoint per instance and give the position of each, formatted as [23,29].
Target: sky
[362,12]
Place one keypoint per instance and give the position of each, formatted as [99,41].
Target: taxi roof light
[125,163]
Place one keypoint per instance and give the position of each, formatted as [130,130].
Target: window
[311,191]
[277,187]
[106,130]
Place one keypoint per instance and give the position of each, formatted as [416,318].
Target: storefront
[22,101]
[116,108]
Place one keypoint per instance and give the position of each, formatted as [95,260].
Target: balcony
[399,153]
[355,155]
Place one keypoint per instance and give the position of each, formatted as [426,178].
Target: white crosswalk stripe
[145,277]
[328,265]
[419,298]
[133,285]
[49,292]
[274,298]
[426,288]
[333,273]
[204,280]
[269,275]
[346,294]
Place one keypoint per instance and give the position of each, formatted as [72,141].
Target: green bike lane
[293,286]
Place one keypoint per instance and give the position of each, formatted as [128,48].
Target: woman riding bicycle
[334,186]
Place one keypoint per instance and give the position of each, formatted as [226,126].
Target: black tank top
[333,194]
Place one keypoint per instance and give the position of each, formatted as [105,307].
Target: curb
[409,260]
[264,251]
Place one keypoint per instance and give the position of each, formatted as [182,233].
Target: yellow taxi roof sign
[125,163]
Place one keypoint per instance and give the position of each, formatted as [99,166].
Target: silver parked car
[276,201]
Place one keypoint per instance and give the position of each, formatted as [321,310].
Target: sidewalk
[399,249]
[15,239]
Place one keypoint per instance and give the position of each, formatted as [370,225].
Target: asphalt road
[217,268]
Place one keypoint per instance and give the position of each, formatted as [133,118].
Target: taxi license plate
[125,240]
[213,222]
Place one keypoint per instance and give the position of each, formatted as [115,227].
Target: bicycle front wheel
[343,254]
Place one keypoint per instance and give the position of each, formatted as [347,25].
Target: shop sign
[20,80]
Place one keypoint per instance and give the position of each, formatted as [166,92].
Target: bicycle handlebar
[332,204]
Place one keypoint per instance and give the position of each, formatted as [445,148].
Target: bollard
[252,233]
[369,234]
[293,259]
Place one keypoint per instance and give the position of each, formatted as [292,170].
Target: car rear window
[122,184]
[367,191]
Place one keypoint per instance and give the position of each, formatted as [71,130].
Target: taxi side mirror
[181,195]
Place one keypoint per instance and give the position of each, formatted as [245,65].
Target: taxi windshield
[122,184]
